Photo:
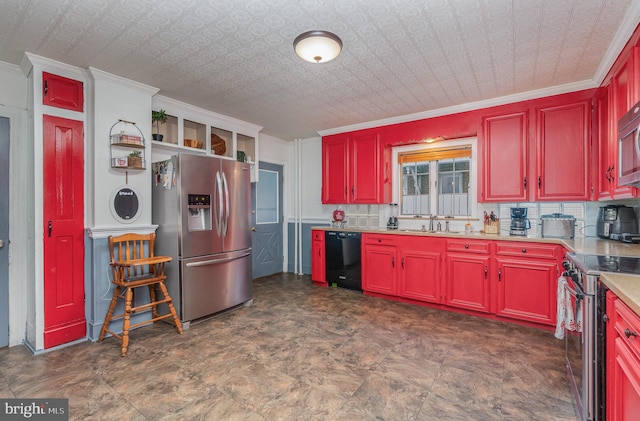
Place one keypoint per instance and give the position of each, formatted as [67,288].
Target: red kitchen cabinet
[420,270]
[562,152]
[621,99]
[525,290]
[355,169]
[526,281]
[606,149]
[379,260]
[623,361]
[504,170]
[318,267]
[468,268]
[335,168]
[62,92]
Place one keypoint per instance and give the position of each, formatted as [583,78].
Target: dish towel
[565,319]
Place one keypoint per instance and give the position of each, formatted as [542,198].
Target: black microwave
[629,147]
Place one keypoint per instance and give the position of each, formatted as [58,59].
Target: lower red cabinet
[379,266]
[508,279]
[526,290]
[467,281]
[420,271]
[318,266]
[623,361]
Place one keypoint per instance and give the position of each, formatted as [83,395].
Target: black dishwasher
[343,259]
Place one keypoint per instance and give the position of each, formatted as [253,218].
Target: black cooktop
[593,264]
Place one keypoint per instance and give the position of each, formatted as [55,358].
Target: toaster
[557,225]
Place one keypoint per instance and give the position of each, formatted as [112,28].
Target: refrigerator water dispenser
[199,215]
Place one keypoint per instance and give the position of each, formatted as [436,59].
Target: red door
[63,211]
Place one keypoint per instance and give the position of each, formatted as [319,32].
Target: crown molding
[620,39]
[97,74]
[470,106]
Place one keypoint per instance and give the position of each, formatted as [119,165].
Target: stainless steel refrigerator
[202,207]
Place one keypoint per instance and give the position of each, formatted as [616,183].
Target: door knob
[253,229]
[1,243]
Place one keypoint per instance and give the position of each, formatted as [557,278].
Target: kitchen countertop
[580,245]
[626,287]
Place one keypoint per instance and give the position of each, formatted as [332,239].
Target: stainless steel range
[585,350]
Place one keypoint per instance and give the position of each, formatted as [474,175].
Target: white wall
[14,86]
[114,98]
[13,97]
[313,211]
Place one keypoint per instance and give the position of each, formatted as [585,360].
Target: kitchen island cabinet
[355,169]
[623,361]
[468,267]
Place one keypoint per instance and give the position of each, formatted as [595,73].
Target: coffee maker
[519,222]
[392,222]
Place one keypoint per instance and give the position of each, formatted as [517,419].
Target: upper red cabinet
[537,150]
[611,102]
[505,158]
[62,92]
[355,169]
[562,152]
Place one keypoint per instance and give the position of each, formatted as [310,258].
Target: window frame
[473,174]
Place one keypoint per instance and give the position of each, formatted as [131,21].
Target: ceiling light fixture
[317,46]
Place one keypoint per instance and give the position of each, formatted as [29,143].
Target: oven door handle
[578,292]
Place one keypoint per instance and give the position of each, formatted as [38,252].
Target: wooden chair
[134,264]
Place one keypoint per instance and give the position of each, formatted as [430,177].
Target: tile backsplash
[586,213]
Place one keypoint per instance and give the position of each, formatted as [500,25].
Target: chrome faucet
[431,219]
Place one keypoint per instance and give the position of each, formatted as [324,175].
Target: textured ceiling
[400,57]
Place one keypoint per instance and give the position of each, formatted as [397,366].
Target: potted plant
[134,160]
[158,117]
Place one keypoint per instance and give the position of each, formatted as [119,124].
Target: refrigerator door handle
[219,210]
[215,261]
[226,205]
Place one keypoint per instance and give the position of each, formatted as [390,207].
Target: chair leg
[172,309]
[107,319]
[152,297]
[127,320]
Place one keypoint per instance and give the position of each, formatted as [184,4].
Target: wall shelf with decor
[127,146]
[194,130]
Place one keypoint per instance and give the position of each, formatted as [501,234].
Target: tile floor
[303,352]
